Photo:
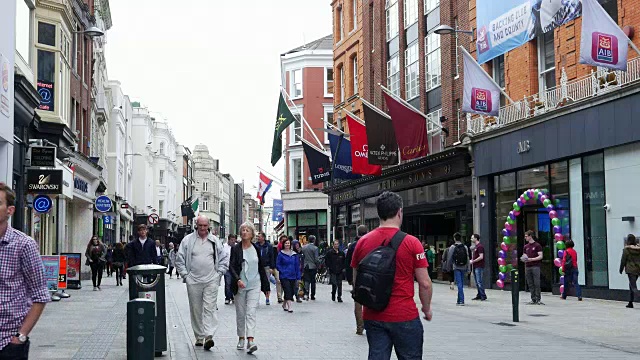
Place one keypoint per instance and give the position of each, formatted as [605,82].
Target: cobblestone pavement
[92,325]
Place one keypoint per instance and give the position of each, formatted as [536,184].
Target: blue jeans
[406,337]
[571,279]
[228,278]
[458,275]
[477,273]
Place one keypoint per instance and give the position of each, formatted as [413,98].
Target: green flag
[283,120]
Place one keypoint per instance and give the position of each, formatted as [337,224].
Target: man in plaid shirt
[23,289]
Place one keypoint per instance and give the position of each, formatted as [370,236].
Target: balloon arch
[559,220]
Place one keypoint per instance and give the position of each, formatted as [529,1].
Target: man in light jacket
[311,255]
[202,262]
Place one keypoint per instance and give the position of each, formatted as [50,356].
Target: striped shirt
[22,281]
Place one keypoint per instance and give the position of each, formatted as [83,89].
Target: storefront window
[322,218]
[595,225]
[307,219]
[533,178]
[291,219]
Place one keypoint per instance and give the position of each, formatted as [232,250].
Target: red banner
[410,128]
[360,149]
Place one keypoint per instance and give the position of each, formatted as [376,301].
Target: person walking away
[477,262]
[335,261]
[276,249]
[299,286]
[228,277]
[109,258]
[202,262]
[532,259]
[95,253]
[288,265]
[118,262]
[159,256]
[266,253]
[431,259]
[459,259]
[361,231]
[398,325]
[570,268]
[311,255]
[23,288]
[171,260]
[141,251]
[249,279]
[447,266]
[630,263]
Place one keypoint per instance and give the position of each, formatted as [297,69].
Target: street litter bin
[147,282]
[141,319]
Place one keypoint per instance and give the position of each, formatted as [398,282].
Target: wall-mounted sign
[106,219]
[44,181]
[47,95]
[5,86]
[153,219]
[43,156]
[80,185]
[42,203]
[103,203]
[524,146]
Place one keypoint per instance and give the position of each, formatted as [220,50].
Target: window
[393,75]
[410,12]
[412,71]
[296,83]
[161,177]
[355,75]
[392,19]
[433,65]
[296,129]
[354,8]
[498,75]
[434,131]
[328,82]
[328,117]
[342,90]
[205,186]
[46,34]
[23,30]
[161,208]
[595,221]
[46,78]
[611,7]
[430,5]
[546,62]
[297,174]
[341,24]
[205,205]
[161,148]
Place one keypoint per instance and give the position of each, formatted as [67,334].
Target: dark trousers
[118,269]
[571,280]
[533,282]
[336,284]
[170,271]
[309,281]
[109,268]
[288,286]
[96,273]
[228,279]
[15,352]
[406,337]
[633,286]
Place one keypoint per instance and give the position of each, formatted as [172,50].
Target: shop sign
[5,86]
[80,185]
[44,181]
[524,146]
[103,203]
[344,196]
[74,263]
[47,95]
[106,219]
[42,204]
[44,156]
[51,265]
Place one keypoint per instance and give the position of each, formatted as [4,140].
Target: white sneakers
[251,346]
[240,345]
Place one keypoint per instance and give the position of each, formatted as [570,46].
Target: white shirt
[158,252]
[142,241]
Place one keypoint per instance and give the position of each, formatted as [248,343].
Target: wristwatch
[21,337]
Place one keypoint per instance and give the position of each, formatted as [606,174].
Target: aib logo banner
[483,40]
[604,48]
[481,100]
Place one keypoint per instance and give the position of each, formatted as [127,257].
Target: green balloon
[506,240]
[560,271]
[535,194]
[557,202]
[511,221]
[516,207]
[509,267]
[555,222]
[503,268]
[547,202]
[526,196]
[560,245]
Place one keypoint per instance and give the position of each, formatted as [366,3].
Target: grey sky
[212,69]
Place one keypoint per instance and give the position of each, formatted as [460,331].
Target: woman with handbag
[118,262]
[96,253]
[630,264]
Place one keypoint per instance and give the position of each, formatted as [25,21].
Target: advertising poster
[74,264]
[51,265]
[278,214]
[62,273]
[5,86]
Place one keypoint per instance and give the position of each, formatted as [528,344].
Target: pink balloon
[557,262]
[508,226]
[561,289]
[504,246]
[559,237]
[500,284]
[553,214]
[543,198]
[502,261]
[516,213]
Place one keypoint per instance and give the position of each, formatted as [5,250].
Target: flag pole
[354,117]
[311,145]
[489,77]
[374,108]
[633,46]
[304,121]
[270,174]
[409,106]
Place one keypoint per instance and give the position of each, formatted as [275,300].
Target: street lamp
[448,30]
[91,32]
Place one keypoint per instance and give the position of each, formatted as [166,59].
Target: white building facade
[207,181]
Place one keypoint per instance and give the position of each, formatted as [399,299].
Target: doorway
[537,219]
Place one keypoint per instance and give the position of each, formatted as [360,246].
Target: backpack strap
[396,240]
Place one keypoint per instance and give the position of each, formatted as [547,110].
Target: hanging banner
[508,24]
[410,128]
[602,42]
[278,213]
[383,147]
[343,167]
[481,95]
[51,265]
[74,264]
[360,149]
[319,164]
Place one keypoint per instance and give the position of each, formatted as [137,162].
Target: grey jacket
[183,259]
[311,255]
[451,263]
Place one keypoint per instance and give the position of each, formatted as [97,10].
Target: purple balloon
[502,254]
[531,194]
[502,276]
[560,254]
[557,229]
[550,207]
[520,202]
[512,215]
[543,198]
[562,280]
[506,232]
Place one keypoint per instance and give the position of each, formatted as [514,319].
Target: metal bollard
[515,295]
[141,327]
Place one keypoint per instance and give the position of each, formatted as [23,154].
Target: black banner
[47,95]
[383,148]
[43,156]
[319,164]
[44,181]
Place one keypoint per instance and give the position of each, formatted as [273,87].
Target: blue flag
[343,168]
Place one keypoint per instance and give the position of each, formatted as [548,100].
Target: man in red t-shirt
[478,267]
[532,259]
[398,325]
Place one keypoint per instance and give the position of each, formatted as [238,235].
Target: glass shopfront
[303,224]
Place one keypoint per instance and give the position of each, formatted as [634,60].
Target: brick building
[308,78]
[570,129]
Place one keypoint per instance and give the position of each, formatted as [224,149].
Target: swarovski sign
[44,181]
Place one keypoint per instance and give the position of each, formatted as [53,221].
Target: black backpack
[376,273]
[568,262]
[460,256]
